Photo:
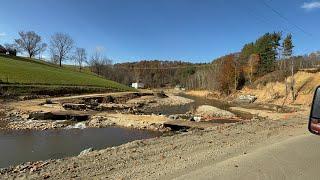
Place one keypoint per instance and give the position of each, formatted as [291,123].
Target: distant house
[8,50]
[137,85]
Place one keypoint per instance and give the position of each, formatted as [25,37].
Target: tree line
[61,47]
[270,53]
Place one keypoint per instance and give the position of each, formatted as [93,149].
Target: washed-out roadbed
[165,157]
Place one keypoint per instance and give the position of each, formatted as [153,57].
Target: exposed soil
[165,157]
[275,92]
[151,122]
[159,158]
[99,110]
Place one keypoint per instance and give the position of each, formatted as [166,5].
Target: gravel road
[294,158]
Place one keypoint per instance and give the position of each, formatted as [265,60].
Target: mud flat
[102,110]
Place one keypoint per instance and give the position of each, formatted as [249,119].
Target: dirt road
[294,158]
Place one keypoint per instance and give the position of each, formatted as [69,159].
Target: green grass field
[25,71]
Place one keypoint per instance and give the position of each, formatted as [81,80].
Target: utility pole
[235,74]
[287,53]
[235,78]
[292,80]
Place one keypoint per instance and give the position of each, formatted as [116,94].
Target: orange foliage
[227,73]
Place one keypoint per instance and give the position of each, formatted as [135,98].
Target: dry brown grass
[275,92]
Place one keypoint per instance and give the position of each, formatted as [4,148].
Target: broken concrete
[59,115]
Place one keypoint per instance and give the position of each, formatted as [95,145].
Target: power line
[266,20]
[285,18]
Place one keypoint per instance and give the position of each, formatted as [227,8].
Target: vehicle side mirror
[314,119]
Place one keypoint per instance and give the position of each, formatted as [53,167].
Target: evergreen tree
[287,46]
[246,52]
[266,47]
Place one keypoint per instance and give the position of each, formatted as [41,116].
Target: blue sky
[190,30]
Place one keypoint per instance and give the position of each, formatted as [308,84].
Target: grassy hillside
[24,71]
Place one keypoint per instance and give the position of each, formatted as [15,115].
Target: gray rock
[197,119]
[247,99]
[86,151]
[40,115]
[160,94]
[48,101]
[109,99]
[173,117]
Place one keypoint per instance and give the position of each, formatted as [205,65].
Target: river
[23,146]
[198,101]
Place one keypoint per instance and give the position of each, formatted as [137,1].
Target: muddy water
[23,146]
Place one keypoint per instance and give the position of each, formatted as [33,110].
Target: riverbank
[165,157]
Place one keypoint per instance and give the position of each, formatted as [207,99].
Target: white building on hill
[137,85]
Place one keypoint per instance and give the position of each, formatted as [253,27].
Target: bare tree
[100,64]
[236,67]
[31,43]
[3,50]
[54,58]
[80,56]
[41,51]
[253,64]
[61,45]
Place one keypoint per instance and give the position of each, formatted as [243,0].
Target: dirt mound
[210,111]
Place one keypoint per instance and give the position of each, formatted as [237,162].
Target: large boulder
[86,151]
[246,99]
[211,111]
[72,106]
[40,115]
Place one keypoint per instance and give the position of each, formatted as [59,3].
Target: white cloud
[2,34]
[311,5]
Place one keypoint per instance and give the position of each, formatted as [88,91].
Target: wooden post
[292,81]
